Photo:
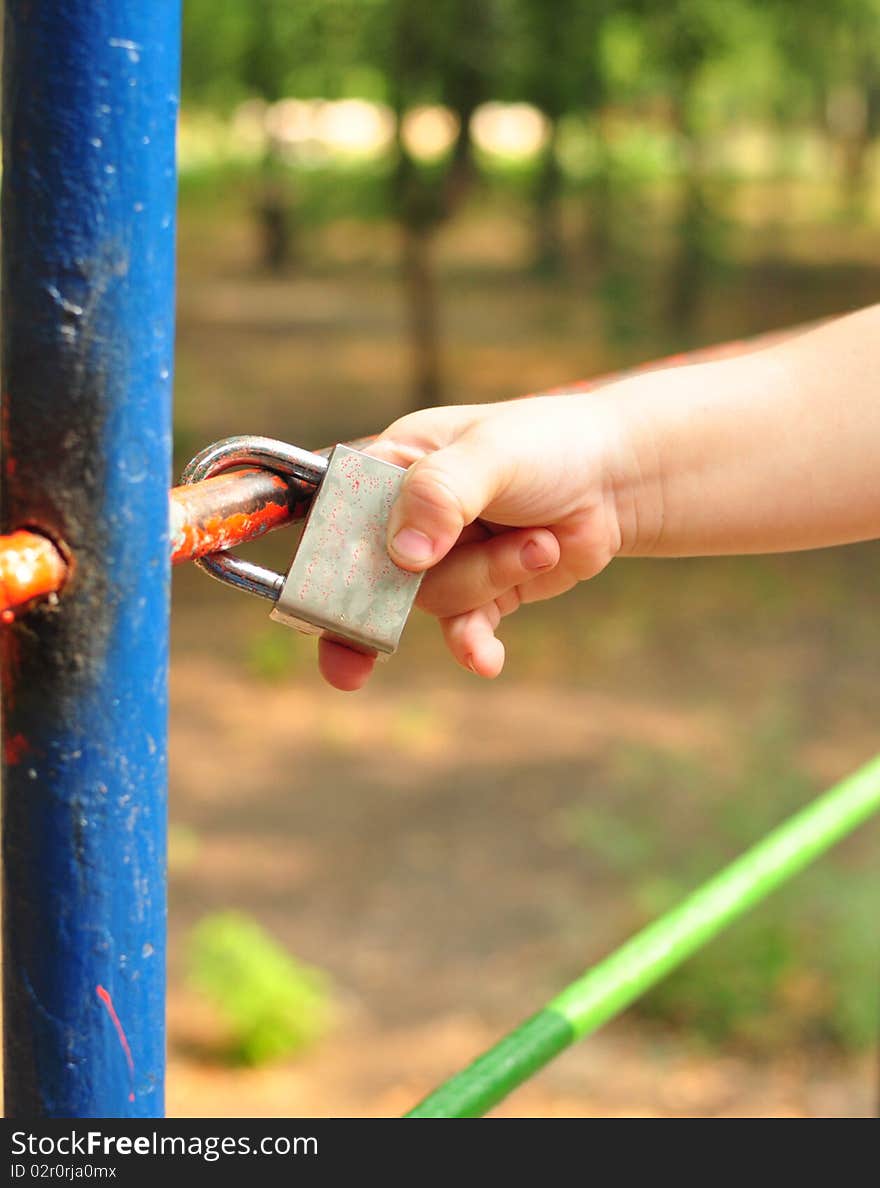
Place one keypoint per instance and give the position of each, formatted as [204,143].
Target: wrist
[632,471]
[694,476]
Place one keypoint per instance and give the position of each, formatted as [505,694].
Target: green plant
[274,655]
[272,1004]
[803,966]
[740,987]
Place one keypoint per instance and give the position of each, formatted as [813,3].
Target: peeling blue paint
[89,112]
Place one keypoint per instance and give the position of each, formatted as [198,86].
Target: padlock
[341,584]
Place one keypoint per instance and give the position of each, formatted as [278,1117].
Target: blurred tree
[626,81]
[439,53]
[853,106]
[424,53]
[685,37]
[214,39]
[618,78]
[832,59]
[269,50]
[551,56]
[236,51]
[273,42]
[696,67]
[547,59]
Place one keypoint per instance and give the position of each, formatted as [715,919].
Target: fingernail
[413,546]
[534,557]
[469,661]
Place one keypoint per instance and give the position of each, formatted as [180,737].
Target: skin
[505,504]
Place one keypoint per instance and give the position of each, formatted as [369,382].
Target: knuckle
[510,601]
[430,491]
[502,566]
[411,426]
[429,599]
[453,631]
[453,591]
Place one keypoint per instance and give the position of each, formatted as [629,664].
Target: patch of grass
[735,988]
[276,654]
[840,945]
[272,1004]
[802,967]
[805,965]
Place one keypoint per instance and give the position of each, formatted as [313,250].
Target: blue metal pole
[90,93]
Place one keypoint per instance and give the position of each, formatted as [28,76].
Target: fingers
[477,573]
[441,494]
[413,436]
[454,474]
[471,640]
[471,637]
[343,668]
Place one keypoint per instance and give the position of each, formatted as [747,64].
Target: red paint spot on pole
[15,748]
[105,998]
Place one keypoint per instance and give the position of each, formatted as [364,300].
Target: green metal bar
[610,987]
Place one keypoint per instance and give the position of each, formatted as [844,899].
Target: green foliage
[735,989]
[674,80]
[273,49]
[844,931]
[274,655]
[802,966]
[708,61]
[273,1005]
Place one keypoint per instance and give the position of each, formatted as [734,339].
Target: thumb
[442,493]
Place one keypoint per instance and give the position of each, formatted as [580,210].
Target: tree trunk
[422,309]
[549,252]
[854,150]
[273,210]
[693,249]
[848,115]
[600,214]
[689,266]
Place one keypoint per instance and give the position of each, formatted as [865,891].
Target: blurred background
[392,203]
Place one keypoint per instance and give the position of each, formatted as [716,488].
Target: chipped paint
[107,1001]
[15,747]
[204,518]
[231,508]
[87,351]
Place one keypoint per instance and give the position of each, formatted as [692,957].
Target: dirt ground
[420,867]
[411,840]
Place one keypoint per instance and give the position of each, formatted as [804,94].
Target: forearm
[773,451]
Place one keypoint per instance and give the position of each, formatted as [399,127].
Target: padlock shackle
[266,452]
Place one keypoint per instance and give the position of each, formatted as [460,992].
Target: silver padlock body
[342,584]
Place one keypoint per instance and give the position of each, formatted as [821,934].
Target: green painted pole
[610,987]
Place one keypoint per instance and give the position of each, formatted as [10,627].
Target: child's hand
[503,504]
[508,503]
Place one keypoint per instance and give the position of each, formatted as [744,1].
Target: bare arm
[769,452]
[772,451]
